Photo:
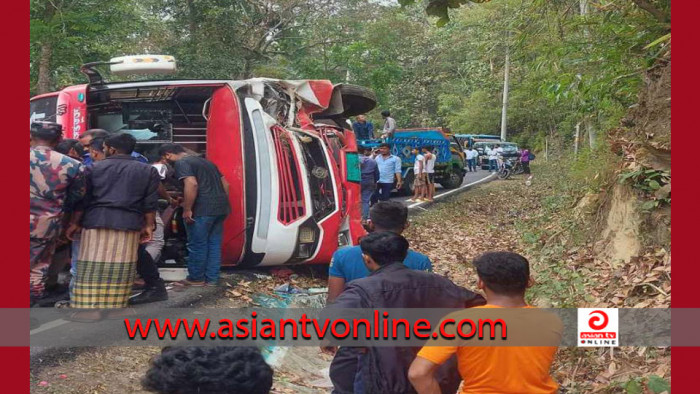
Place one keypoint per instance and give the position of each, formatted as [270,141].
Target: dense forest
[572,64]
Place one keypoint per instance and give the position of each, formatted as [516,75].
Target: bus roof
[479,136]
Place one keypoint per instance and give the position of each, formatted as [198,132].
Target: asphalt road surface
[470,179]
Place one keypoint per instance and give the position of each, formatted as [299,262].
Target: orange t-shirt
[500,369]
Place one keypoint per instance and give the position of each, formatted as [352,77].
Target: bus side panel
[71,111]
[353,191]
[225,149]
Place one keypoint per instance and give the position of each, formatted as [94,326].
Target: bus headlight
[344,238]
[307,235]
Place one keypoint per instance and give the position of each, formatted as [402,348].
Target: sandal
[189,283]
[85,316]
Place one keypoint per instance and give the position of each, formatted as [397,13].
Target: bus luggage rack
[190,135]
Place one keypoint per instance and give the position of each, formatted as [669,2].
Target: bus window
[43,109]
[320,176]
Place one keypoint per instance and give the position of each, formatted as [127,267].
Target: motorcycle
[510,167]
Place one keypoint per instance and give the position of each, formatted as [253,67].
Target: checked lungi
[106,268]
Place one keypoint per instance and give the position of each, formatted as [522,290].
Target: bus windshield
[43,109]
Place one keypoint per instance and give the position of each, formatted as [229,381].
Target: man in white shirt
[493,158]
[430,159]
[499,158]
[471,155]
[419,177]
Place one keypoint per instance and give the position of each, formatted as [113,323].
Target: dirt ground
[494,216]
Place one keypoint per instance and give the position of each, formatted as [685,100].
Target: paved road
[471,179]
[186,299]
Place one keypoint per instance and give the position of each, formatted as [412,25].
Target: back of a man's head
[504,273]
[97,144]
[386,114]
[389,216]
[211,370]
[384,247]
[65,147]
[121,142]
[174,149]
[46,131]
[94,133]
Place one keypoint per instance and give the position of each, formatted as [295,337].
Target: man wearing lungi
[120,208]
[56,184]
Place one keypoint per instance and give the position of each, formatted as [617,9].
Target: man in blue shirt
[363,129]
[86,139]
[347,265]
[389,167]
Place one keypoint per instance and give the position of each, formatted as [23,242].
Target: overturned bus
[284,147]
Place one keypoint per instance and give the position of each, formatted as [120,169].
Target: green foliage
[633,387]
[591,170]
[650,182]
[658,384]
[654,383]
[565,67]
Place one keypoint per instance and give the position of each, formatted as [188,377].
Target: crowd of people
[364,129]
[496,158]
[383,272]
[99,198]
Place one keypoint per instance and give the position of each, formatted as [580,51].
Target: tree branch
[650,8]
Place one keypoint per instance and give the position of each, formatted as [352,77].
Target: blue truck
[449,167]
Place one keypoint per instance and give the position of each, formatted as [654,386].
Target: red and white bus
[284,147]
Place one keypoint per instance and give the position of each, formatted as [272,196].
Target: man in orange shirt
[504,277]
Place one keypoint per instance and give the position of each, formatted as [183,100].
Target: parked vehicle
[292,166]
[449,166]
[510,150]
[511,166]
[468,140]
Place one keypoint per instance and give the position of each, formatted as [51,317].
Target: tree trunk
[650,8]
[44,81]
[192,19]
[576,137]
[245,73]
[504,111]
[591,133]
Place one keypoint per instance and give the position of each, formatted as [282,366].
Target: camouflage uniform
[56,184]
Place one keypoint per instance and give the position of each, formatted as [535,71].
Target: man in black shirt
[393,285]
[119,214]
[205,207]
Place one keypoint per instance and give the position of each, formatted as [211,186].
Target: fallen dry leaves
[501,215]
